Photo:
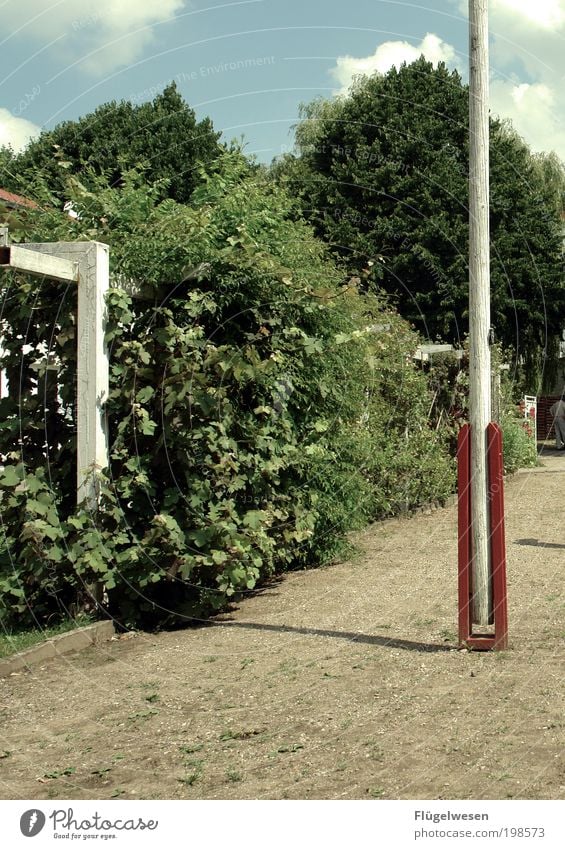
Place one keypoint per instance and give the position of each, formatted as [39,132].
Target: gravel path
[342,682]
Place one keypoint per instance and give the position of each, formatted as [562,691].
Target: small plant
[190,779]
[102,771]
[142,715]
[233,775]
[59,773]
[448,635]
[154,697]
[375,792]
[240,735]
[189,750]
[295,747]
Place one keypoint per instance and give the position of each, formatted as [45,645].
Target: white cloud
[15,132]
[545,14]
[535,110]
[107,33]
[527,40]
[388,54]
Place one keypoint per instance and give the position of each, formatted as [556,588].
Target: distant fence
[545,419]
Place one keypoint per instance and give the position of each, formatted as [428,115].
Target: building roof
[11,200]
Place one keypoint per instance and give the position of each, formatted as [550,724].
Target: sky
[249,64]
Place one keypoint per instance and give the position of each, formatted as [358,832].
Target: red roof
[16,200]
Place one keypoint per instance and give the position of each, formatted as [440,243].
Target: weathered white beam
[92,260]
[39,264]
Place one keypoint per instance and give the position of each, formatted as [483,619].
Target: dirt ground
[338,683]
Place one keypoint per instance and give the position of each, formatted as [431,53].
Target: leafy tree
[163,136]
[6,167]
[551,171]
[383,176]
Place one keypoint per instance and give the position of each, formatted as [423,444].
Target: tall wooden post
[479,304]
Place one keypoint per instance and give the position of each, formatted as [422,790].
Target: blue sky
[249,64]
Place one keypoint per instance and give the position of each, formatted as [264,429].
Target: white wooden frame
[87,264]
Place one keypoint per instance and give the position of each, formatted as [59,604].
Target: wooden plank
[92,371]
[39,264]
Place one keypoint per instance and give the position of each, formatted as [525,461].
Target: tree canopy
[383,176]
[162,136]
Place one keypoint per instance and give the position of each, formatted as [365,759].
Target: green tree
[7,176]
[163,136]
[383,176]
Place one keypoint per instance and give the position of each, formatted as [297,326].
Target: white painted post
[92,259]
[479,304]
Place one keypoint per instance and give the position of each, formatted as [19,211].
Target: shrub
[255,413]
[518,443]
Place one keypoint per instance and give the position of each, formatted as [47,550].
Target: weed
[154,697]
[375,792]
[142,715]
[233,775]
[189,779]
[240,735]
[58,773]
[101,772]
[294,748]
[375,752]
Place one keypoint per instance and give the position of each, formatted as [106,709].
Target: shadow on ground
[351,636]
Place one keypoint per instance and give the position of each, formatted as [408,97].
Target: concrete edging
[76,640]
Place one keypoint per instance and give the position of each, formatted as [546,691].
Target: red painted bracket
[498,640]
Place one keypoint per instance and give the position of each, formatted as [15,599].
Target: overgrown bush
[259,407]
[518,443]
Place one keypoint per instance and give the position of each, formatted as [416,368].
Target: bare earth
[343,682]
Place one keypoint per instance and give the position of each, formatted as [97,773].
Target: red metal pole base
[478,641]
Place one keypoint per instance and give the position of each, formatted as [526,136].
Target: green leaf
[219,557]
[11,475]
[36,507]
[254,519]
[145,394]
